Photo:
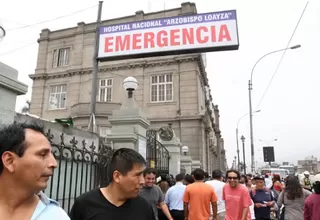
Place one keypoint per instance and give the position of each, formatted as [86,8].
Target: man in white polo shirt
[218,185]
[174,198]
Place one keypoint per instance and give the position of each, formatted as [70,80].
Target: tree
[26,108]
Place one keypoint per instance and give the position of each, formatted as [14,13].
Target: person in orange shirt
[198,197]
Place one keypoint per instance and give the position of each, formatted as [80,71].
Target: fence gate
[81,168]
[157,155]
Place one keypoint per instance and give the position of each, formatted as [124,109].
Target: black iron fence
[157,155]
[81,168]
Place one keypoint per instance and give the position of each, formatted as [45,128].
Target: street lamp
[250,102]
[185,150]
[130,84]
[244,155]
[2,32]
[237,135]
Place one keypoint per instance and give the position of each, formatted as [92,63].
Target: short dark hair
[123,161]
[206,174]
[12,138]
[198,174]
[179,177]
[316,187]
[216,174]
[259,177]
[233,171]
[189,178]
[245,178]
[149,171]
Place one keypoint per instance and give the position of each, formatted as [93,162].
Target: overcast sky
[289,110]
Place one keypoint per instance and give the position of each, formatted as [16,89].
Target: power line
[13,22]
[283,54]
[41,22]
[19,48]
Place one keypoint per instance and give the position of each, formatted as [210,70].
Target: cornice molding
[202,70]
[121,66]
[13,85]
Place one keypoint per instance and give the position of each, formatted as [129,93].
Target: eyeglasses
[232,178]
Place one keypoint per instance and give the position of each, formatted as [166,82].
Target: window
[57,97]
[61,57]
[105,90]
[104,131]
[161,88]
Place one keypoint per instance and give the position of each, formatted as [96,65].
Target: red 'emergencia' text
[164,38]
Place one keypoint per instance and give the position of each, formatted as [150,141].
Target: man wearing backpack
[262,199]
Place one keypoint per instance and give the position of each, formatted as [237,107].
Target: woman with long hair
[276,183]
[249,184]
[292,197]
[164,186]
[246,181]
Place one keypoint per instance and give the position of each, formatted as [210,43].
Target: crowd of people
[242,197]
[138,193]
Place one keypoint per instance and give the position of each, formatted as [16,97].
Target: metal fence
[157,155]
[81,168]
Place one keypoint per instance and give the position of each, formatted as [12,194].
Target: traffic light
[268,154]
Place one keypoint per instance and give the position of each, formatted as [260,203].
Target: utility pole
[95,70]
[238,152]
[251,129]
[244,155]
[250,101]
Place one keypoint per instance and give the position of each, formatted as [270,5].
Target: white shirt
[251,209]
[218,188]
[268,182]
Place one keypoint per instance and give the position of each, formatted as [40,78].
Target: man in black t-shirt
[119,200]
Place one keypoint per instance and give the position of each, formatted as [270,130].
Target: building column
[10,88]
[174,152]
[196,164]
[215,156]
[129,124]
[208,158]
[173,145]
[186,162]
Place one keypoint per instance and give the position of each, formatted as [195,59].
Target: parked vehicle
[282,172]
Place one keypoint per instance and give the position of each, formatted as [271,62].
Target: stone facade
[57,129]
[186,102]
